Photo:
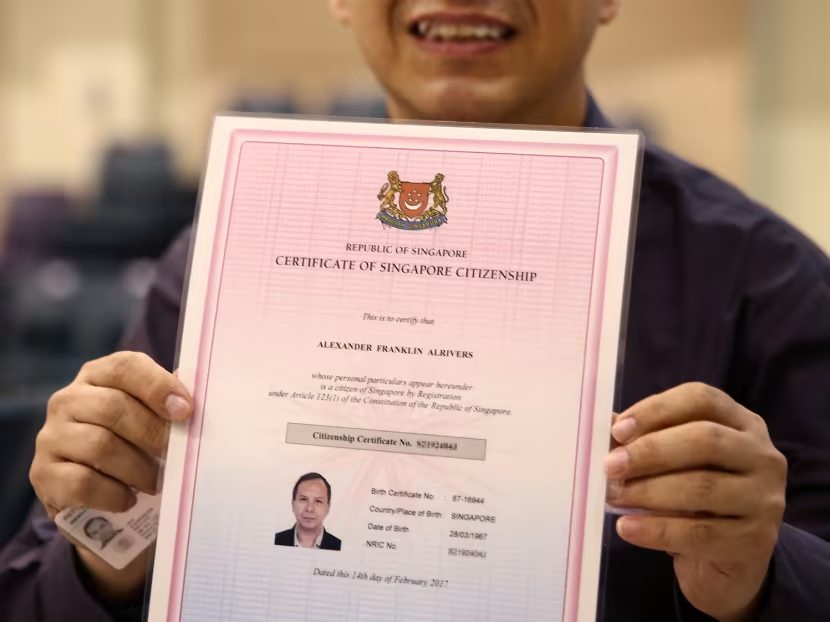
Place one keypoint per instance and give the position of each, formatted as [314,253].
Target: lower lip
[460,48]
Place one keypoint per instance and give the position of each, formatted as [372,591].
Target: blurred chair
[34,226]
[39,352]
[140,209]
[106,303]
[71,311]
[20,420]
[69,284]
[137,176]
[35,220]
[63,314]
[123,235]
[359,108]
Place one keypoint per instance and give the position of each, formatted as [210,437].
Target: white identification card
[116,538]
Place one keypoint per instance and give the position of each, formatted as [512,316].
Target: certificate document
[402,342]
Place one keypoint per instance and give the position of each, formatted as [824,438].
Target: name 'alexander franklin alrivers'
[383,349]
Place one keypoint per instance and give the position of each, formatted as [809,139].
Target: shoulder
[173,264]
[330,542]
[692,196]
[284,536]
[690,207]
[171,272]
[155,329]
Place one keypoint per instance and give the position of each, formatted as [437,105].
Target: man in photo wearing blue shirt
[725,436]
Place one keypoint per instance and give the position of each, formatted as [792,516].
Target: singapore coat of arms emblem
[413,206]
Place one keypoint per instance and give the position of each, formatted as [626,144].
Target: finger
[709,539]
[683,404]
[692,492]
[614,442]
[104,451]
[119,412]
[64,485]
[696,445]
[138,375]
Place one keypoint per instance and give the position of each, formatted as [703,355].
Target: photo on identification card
[116,538]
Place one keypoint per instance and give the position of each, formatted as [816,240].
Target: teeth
[459,32]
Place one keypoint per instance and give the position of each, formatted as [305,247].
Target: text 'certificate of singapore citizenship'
[402,343]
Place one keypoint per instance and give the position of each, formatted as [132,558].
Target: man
[726,369]
[310,502]
[99,529]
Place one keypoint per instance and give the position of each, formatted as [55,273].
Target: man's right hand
[102,436]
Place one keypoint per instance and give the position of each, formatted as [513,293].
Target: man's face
[475,60]
[311,505]
[99,529]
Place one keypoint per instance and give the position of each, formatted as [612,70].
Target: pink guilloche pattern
[534,343]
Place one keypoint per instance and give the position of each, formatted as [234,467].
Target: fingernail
[628,528]
[614,490]
[616,463]
[177,407]
[624,430]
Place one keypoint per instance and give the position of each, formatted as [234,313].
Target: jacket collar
[594,116]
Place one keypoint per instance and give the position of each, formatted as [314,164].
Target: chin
[463,103]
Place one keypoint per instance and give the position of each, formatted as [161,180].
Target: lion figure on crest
[439,198]
[387,195]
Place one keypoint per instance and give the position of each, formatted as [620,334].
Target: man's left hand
[713,488]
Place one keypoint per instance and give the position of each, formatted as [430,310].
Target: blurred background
[106,106]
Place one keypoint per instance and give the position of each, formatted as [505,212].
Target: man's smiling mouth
[460,34]
[460,30]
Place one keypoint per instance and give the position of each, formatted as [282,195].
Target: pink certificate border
[608,155]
